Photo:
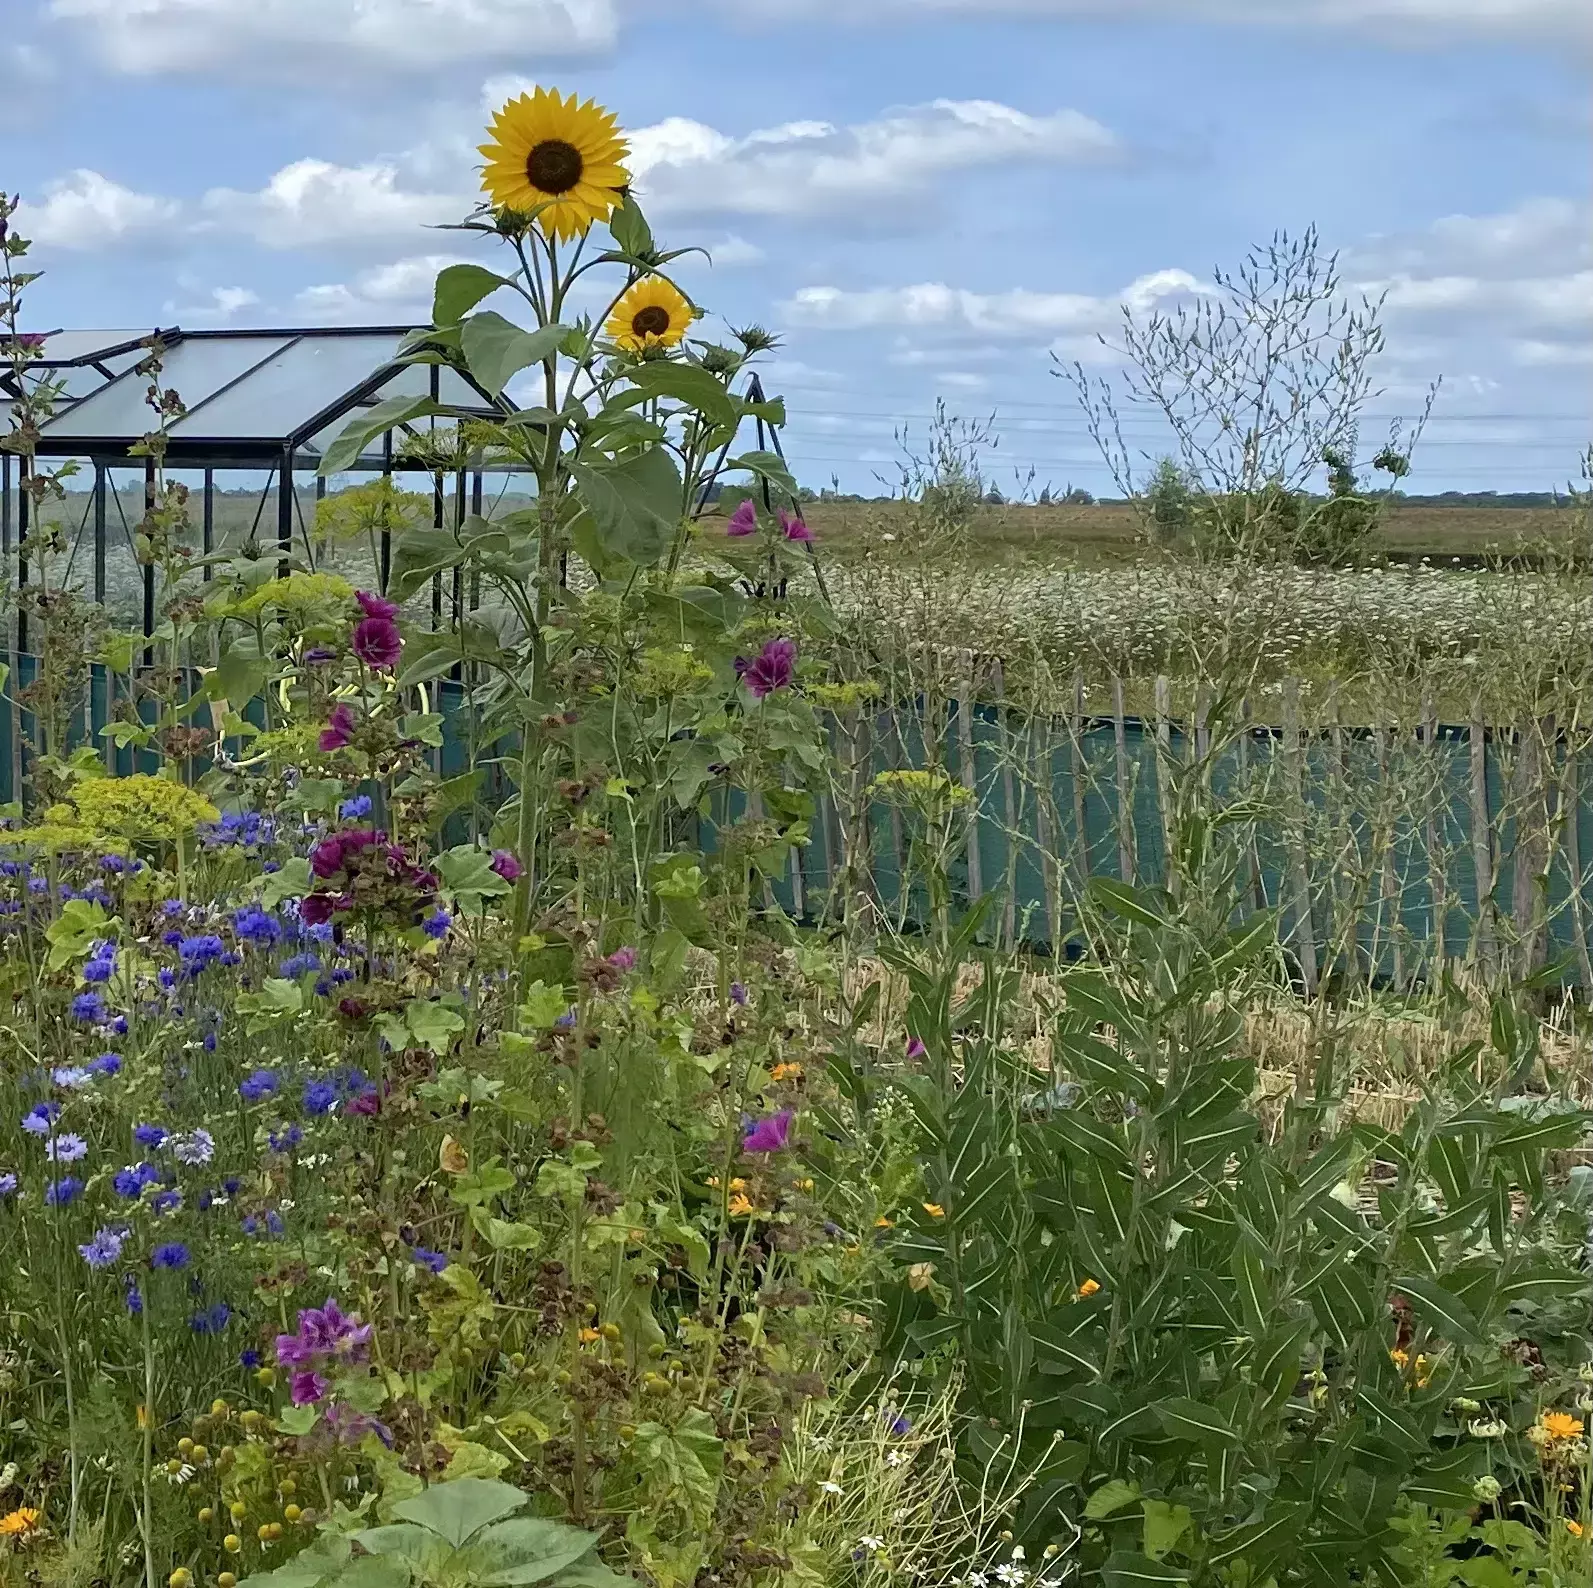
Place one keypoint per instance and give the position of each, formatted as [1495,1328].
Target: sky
[925,199]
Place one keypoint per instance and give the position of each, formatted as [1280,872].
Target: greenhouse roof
[251,396]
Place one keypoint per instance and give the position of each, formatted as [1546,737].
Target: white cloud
[313,202]
[401,290]
[150,36]
[86,211]
[806,167]
[1402,21]
[1015,313]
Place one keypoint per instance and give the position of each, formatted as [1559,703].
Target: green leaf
[1124,1569]
[298,1419]
[634,506]
[293,881]
[689,1458]
[459,289]
[325,1556]
[497,349]
[1164,1525]
[345,451]
[458,1511]
[527,1549]
[376,1571]
[502,1235]
[1130,903]
[433,1024]
[1110,1497]
[543,1006]
[1187,1419]
[467,873]
[629,229]
[237,678]
[687,383]
[1441,1308]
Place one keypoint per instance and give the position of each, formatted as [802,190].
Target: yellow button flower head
[553,149]
[653,313]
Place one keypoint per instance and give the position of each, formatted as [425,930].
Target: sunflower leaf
[496,349]
[344,452]
[687,383]
[459,289]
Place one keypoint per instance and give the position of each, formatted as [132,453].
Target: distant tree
[1165,503]
[994,498]
[1078,497]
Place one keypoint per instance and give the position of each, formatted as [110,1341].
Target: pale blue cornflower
[66,1149]
[104,1249]
[197,1147]
[70,1076]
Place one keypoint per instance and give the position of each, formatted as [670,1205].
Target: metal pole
[5,504]
[24,501]
[100,472]
[208,523]
[285,513]
[149,567]
[387,534]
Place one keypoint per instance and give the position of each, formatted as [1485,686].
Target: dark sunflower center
[554,166]
[651,321]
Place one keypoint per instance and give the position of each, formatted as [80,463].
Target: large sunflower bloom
[552,149]
[653,313]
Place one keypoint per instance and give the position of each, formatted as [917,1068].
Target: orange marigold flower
[1560,1425]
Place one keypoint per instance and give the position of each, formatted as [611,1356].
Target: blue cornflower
[341,974]
[210,1042]
[199,953]
[38,1119]
[197,1147]
[212,1320]
[249,1359]
[133,1299]
[352,809]
[118,1027]
[167,977]
[99,970]
[255,925]
[70,1076]
[566,1021]
[107,1064]
[274,1225]
[259,1084]
[149,1135]
[38,885]
[231,1185]
[130,1182]
[115,864]
[8,1184]
[320,1097]
[437,923]
[67,1148]
[166,1201]
[104,1249]
[11,868]
[286,1139]
[171,937]
[296,965]
[63,1192]
[172,1255]
[88,1007]
[435,1261]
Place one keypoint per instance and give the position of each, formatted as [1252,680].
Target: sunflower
[653,313]
[554,150]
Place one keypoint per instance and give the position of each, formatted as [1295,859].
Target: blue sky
[925,198]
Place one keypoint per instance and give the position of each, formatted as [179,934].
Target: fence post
[1045,827]
[1125,787]
[1300,877]
[1392,912]
[1164,775]
[1437,872]
[1009,807]
[968,771]
[1572,804]
[1078,771]
[1481,840]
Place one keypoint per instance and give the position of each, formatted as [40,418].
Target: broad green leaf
[459,289]
[1189,1419]
[503,1235]
[322,1559]
[1124,1569]
[634,506]
[1132,904]
[346,449]
[497,349]
[433,1024]
[526,1549]
[1111,1496]
[375,1571]
[458,1511]
[293,881]
[1441,1308]
[1165,1525]
[687,383]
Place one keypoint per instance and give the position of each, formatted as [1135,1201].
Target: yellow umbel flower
[554,150]
[653,313]
[141,806]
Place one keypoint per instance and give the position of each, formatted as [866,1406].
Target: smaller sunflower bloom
[654,313]
[14,1524]
[1088,1288]
[934,1210]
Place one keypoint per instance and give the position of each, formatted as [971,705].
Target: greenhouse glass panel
[194,369]
[303,378]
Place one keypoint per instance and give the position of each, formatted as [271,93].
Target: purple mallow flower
[339,729]
[772,668]
[794,527]
[377,643]
[769,1134]
[507,864]
[325,1335]
[744,521]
